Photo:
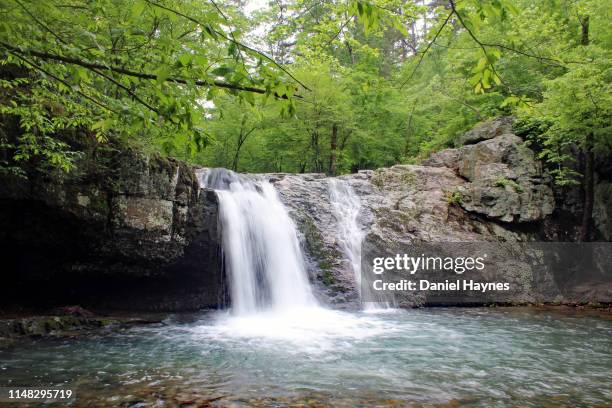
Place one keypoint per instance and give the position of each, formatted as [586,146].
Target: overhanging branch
[142,75]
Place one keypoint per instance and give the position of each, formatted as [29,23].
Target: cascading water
[262,254]
[271,296]
[346,206]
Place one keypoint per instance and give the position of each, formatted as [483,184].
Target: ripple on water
[469,357]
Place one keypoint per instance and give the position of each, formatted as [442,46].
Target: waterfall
[261,249]
[346,206]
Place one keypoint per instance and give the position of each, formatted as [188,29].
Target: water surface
[431,357]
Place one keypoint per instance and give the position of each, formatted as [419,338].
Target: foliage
[506,182]
[452,197]
[128,69]
[337,86]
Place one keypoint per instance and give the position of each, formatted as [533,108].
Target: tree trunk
[588,185]
[333,147]
[584,22]
[588,181]
[242,137]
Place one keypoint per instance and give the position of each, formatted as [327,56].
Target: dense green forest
[301,85]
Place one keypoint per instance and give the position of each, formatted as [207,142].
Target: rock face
[602,209]
[139,234]
[490,191]
[506,182]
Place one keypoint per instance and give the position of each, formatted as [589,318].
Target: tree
[124,69]
[576,111]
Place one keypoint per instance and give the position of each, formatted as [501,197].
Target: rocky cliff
[135,234]
[492,189]
[139,232]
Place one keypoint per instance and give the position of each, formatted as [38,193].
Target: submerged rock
[66,326]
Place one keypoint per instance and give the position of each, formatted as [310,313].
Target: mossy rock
[317,249]
[393,176]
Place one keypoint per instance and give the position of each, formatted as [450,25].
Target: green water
[431,357]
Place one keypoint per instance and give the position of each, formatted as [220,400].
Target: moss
[314,240]
[384,177]
[378,179]
[161,164]
[452,197]
[328,277]
[98,202]
[317,249]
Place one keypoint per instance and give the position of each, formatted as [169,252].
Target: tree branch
[222,35]
[339,31]
[232,35]
[142,75]
[41,69]
[427,49]
[40,23]
[126,89]
[482,46]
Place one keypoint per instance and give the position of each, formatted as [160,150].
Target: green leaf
[162,74]
[222,71]
[185,59]
[482,63]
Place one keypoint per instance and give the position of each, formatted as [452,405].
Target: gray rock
[486,130]
[602,210]
[483,192]
[505,180]
[141,234]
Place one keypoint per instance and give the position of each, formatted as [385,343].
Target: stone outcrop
[493,190]
[486,130]
[137,234]
[505,181]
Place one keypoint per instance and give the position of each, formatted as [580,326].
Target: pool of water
[431,357]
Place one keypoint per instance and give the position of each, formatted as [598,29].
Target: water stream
[346,207]
[482,357]
[261,249]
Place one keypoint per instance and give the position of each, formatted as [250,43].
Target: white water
[346,206]
[262,254]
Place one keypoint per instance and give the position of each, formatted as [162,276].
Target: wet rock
[73,311]
[493,189]
[67,325]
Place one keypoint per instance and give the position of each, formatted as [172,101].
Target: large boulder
[505,181]
[486,130]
